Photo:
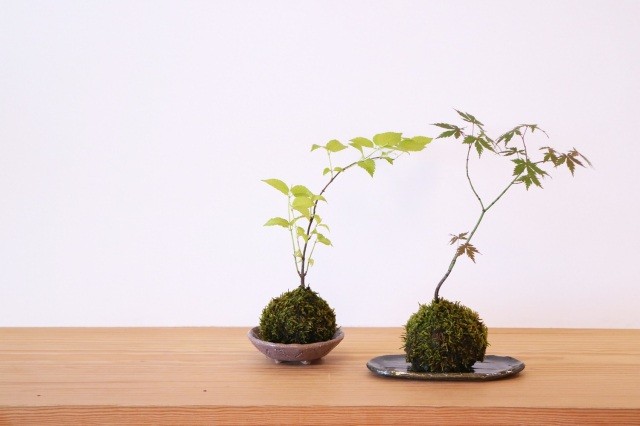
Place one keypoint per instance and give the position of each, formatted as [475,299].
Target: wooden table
[215,376]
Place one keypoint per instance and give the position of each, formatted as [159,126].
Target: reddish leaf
[468,249]
[454,238]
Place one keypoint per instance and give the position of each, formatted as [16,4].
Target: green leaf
[414,144]
[362,142]
[318,198]
[315,146]
[335,146]
[278,184]
[338,169]
[486,144]
[279,221]
[452,130]
[323,240]
[303,205]
[304,211]
[387,139]
[324,226]
[535,180]
[295,219]
[311,262]
[301,202]
[369,165]
[469,118]
[469,140]
[358,147]
[423,140]
[528,180]
[486,137]
[389,159]
[300,232]
[325,171]
[480,143]
[445,126]
[512,151]
[301,191]
[571,165]
[534,169]
[519,168]
[506,137]
[446,134]
[551,155]
[358,143]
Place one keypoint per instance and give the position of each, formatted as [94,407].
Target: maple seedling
[446,336]
[529,170]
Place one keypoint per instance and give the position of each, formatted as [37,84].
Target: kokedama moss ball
[444,337]
[298,316]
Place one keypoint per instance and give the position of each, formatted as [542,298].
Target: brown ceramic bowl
[294,352]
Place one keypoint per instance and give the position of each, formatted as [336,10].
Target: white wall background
[133,137]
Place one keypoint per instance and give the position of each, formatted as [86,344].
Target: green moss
[444,337]
[298,316]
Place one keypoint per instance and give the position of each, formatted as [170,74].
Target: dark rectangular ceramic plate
[492,368]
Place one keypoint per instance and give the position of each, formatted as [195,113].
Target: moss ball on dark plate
[298,316]
[444,337]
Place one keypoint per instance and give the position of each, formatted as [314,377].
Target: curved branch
[471,234]
[469,179]
[303,268]
[455,257]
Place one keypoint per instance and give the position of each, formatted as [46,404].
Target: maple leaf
[454,238]
[551,155]
[469,118]
[511,151]
[468,249]
[446,134]
[574,153]
[451,130]
[573,157]
[481,144]
[519,168]
[571,164]
[507,136]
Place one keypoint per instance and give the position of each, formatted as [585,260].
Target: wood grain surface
[215,376]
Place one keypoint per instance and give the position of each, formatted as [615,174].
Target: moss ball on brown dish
[298,316]
[444,337]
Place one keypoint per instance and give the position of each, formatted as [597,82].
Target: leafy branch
[527,170]
[302,221]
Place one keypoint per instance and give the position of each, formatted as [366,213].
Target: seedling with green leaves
[305,226]
[301,315]
[529,169]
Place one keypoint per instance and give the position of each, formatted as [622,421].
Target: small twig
[304,269]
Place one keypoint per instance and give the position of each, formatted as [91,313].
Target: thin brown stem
[455,257]
[304,268]
[483,210]
[469,179]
